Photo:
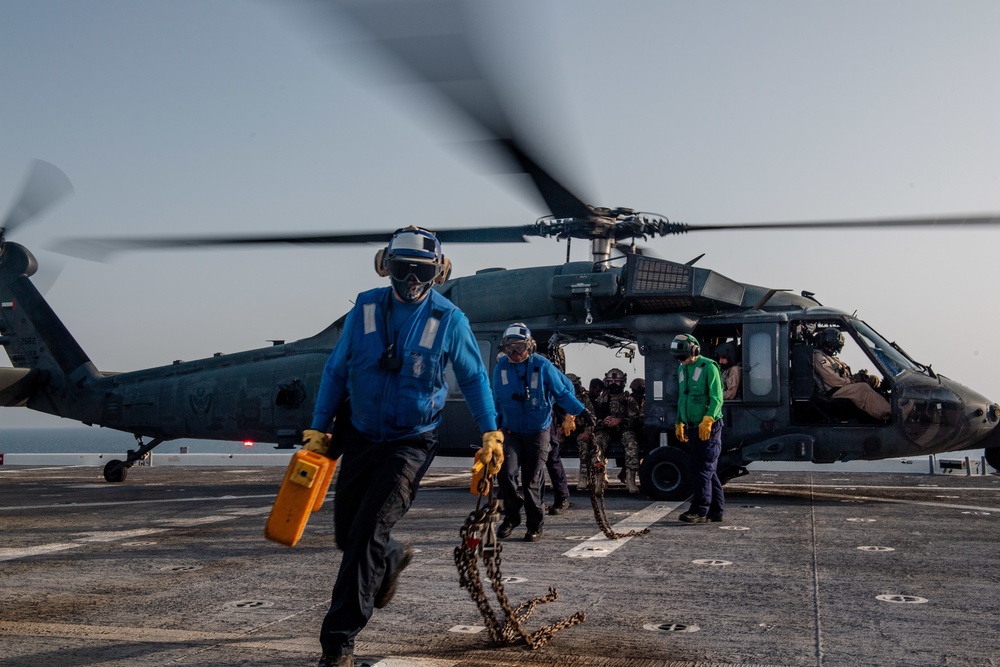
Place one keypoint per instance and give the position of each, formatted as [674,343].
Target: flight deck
[808,568]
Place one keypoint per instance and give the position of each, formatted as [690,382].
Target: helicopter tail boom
[46,359]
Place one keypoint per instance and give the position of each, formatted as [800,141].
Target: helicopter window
[760,379]
[888,356]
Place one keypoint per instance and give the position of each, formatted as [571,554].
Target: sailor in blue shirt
[525,386]
[390,361]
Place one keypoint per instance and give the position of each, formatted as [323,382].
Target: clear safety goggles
[518,348]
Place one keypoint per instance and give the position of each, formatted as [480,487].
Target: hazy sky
[204,116]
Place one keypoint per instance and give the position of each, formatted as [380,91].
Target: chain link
[479,542]
[596,471]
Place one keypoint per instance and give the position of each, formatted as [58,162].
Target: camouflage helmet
[615,375]
[638,386]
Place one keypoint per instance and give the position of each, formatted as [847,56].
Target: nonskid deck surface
[808,568]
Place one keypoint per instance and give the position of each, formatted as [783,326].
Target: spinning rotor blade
[935,221]
[46,184]
[103,249]
[429,42]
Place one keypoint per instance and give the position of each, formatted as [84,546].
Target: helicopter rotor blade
[103,249]
[985,219]
[46,184]
[430,44]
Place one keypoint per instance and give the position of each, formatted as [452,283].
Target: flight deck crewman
[525,387]
[699,422]
[390,360]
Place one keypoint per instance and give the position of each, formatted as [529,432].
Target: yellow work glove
[679,432]
[705,428]
[492,450]
[568,424]
[315,441]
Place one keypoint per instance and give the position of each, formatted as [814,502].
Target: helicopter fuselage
[266,395]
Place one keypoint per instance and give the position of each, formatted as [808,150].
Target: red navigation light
[248,443]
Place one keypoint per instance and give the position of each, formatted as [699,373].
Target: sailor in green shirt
[699,423]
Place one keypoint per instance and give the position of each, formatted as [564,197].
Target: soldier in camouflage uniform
[583,435]
[638,390]
[617,412]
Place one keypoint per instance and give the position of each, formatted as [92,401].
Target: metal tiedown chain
[479,541]
[597,472]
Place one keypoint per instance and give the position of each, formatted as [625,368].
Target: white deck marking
[24,552]
[195,521]
[921,487]
[122,503]
[448,478]
[599,546]
[113,535]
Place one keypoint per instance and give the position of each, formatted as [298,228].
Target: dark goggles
[419,272]
[515,348]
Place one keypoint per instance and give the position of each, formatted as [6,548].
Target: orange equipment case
[302,492]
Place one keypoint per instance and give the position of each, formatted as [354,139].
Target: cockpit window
[887,355]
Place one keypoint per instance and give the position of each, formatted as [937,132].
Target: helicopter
[642,303]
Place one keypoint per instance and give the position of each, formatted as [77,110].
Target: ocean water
[94,440]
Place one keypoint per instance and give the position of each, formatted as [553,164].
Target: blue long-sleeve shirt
[391,404]
[525,392]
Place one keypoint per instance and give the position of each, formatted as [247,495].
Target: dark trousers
[703,460]
[554,464]
[377,484]
[527,452]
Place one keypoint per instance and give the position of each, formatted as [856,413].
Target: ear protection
[380,264]
[445,271]
[695,346]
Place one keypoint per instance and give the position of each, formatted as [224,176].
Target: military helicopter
[641,302]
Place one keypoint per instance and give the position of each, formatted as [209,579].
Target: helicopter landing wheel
[664,474]
[115,471]
[993,457]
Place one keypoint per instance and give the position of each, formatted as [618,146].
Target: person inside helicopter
[834,378]
[617,413]
[728,356]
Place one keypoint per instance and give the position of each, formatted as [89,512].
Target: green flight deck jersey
[700,394]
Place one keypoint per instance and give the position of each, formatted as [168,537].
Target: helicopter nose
[947,416]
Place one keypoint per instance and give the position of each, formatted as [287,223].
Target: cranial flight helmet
[413,261]
[727,350]
[831,340]
[518,336]
[685,346]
